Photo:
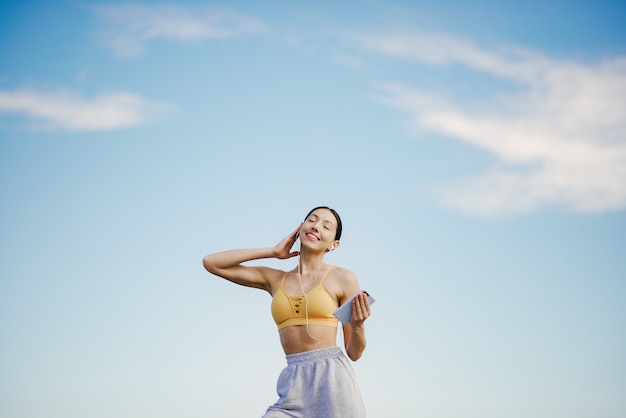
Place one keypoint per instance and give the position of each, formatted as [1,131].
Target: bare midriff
[296,339]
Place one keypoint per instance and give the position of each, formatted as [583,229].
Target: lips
[312,236]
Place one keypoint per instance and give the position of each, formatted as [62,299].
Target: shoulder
[345,283]
[273,277]
[271,274]
[344,275]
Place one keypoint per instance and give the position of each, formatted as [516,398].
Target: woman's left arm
[354,331]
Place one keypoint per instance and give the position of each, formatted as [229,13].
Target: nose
[315,226]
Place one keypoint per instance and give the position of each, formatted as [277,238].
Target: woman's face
[319,229]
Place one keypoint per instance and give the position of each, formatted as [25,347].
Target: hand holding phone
[344,312]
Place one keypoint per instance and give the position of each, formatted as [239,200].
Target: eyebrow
[323,220]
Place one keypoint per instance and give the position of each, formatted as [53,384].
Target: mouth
[312,236]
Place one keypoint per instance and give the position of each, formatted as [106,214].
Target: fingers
[360,307]
[294,234]
[282,250]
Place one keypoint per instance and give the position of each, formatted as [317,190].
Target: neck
[311,262]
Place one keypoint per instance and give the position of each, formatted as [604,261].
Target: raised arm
[228,264]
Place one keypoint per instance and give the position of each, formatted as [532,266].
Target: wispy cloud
[68,111]
[131,26]
[560,136]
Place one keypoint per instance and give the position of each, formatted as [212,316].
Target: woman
[318,380]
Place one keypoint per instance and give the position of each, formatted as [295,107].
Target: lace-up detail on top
[296,303]
[289,310]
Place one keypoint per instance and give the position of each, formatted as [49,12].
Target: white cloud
[560,137]
[133,25]
[67,111]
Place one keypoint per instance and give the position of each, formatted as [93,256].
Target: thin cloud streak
[560,138]
[133,25]
[440,49]
[67,111]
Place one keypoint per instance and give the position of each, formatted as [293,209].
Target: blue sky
[476,153]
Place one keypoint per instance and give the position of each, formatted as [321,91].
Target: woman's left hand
[360,309]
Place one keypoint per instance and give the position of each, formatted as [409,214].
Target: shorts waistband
[314,355]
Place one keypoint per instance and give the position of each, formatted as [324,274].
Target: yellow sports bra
[292,310]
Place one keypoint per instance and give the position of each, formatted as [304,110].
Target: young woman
[319,380]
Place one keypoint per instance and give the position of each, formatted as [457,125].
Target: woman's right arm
[228,264]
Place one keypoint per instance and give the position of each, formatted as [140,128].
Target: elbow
[208,264]
[355,353]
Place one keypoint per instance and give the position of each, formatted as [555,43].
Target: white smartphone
[344,312]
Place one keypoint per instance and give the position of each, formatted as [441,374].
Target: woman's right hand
[282,250]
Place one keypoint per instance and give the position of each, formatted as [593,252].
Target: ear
[334,245]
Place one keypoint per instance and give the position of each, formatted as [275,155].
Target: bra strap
[325,274]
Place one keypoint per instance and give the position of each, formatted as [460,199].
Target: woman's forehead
[324,214]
